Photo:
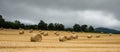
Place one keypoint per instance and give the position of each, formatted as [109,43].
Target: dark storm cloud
[93,12]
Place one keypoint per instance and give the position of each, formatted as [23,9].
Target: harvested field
[11,41]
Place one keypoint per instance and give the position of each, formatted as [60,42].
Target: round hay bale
[65,37]
[1,28]
[36,38]
[62,38]
[75,36]
[73,32]
[45,34]
[110,34]
[20,29]
[89,36]
[56,33]
[21,32]
[30,31]
[42,32]
[97,36]
[69,37]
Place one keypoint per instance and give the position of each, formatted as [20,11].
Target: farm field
[12,41]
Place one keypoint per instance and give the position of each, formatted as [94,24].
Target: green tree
[2,21]
[45,26]
[51,26]
[17,24]
[69,29]
[42,25]
[31,27]
[61,27]
[9,24]
[91,29]
[84,28]
[77,28]
[58,26]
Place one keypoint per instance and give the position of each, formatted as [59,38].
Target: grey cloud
[106,5]
[67,12]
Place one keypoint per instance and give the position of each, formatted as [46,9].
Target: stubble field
[12,41]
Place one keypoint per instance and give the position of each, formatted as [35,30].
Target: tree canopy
[44,26]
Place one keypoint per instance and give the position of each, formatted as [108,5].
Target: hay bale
[69,37]
[89,36]
[36,38]
[65,37]
[21,32]
[1,28]
[20,29]
[45,34]
[73,32]
[75,36]
[97,36]
[62,38]
[56,33]
[31,31]
[110,34]
[42,32]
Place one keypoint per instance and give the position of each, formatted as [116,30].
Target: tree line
[44,26]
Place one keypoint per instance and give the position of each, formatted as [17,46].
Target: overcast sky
[98,13]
